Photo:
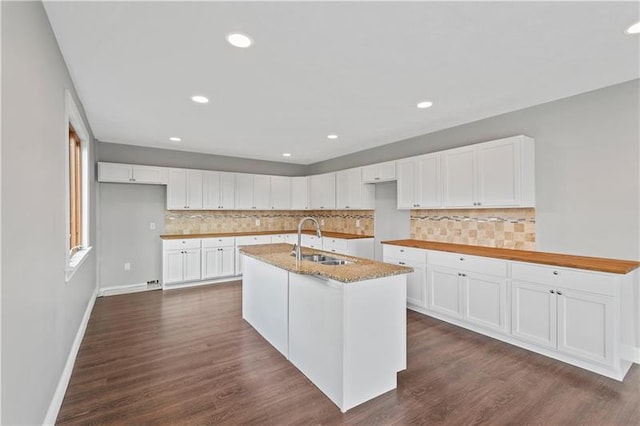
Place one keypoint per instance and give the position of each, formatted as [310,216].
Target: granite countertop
[599,264]
[361,269]
[329,234]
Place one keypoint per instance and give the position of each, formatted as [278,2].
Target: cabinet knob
[559,293]
[462,258]
[401,250]
[556,273]
[552,291]
[400,263]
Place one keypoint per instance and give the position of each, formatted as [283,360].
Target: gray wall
[124,234]
[587,167]
[40,312]
[119,153]
[389,222]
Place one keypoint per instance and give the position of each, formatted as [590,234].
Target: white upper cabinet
[381,172]
[280,193]
[459,175]
[131,173]
[419,182]
[253,192]
[322,191]
[492,174]
[218,190]
[351,193]
[300,193]
[184,189]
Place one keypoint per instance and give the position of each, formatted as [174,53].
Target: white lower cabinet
[581,317]
[248,240]
[417,280]
[575,323]
[218,257]
[181,261]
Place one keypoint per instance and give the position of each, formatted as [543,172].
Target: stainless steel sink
[325,260]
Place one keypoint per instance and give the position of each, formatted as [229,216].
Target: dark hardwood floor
[187,357]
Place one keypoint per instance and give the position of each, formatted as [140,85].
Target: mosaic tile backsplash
[505,228]
[215,221]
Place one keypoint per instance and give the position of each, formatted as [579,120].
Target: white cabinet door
[459,177]
[322,191]
[406,172]
[585,325]
[194,189]
[218,190]
[299,193]
[149,174]
[380,172]
[351,193]
[261,192]
[427,185]
[210,262]
[211,191]
[173,266]
[498,174]
[111,172]
[177,190]
[417,285]
[244,191]
[280,193]
[227,190]
[485,301]
[445,291]
[533,313]
[192,265]
[227,262]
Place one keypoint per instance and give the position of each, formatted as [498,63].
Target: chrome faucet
[297,248]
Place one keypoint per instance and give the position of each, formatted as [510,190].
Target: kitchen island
[343,326]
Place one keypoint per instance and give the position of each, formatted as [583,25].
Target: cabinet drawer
[336,245]
[592,282]
[311,241]
[405,253]
[218,242]
[253,240]
[463,262]
[187,243]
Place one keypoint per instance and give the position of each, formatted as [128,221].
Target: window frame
[73,119]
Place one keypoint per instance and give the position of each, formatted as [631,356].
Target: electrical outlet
[321,222]
[152,225]
[257,222]
[357,223]
[127,266]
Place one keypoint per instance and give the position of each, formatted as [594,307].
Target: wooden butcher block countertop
[599,264]
[279,255]
[329,234]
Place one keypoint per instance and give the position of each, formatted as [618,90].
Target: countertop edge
[596,264]
[330,234]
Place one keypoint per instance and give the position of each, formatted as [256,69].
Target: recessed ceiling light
[634,29]
[200,99]
[239,40]
[286,154]
[332,137]
[424,104]
[174,139]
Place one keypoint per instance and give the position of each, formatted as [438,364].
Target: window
[77,188]
[75,191]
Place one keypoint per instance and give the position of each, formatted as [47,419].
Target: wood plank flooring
[186,357]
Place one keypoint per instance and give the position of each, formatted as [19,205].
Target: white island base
[349,339]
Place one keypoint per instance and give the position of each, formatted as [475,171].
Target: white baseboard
[129,288]
[61,389]
[198,283]
[636,353]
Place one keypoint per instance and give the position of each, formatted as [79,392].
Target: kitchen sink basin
[325,260]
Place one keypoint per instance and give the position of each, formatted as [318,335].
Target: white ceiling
[354,69]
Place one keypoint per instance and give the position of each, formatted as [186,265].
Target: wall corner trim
[58,396]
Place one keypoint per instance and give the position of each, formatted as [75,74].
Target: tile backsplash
[216,221]
[506,228]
